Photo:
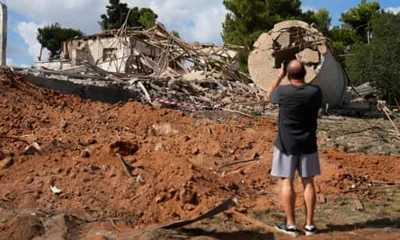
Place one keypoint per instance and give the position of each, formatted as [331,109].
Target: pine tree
[117,12]
[52,36]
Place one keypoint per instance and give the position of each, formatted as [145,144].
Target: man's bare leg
[309,199]
[288,196]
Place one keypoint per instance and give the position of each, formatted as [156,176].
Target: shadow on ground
[237,235]
[376,223]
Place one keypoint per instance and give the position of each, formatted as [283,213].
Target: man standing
[296,142]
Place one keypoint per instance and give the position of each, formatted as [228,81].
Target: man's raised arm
[275,84]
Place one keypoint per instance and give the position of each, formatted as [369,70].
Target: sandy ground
[173,160]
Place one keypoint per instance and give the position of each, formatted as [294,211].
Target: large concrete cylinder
[297,40]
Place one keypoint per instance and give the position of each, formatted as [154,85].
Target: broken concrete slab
[308,56]
[322,49]
[310,74]
[106,93]
[284,40]
[264,38]
[290,24]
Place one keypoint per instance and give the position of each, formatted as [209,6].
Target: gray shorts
[285,166]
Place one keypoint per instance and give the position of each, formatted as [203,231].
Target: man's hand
[282,73]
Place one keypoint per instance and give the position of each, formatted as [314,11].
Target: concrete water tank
[297,40]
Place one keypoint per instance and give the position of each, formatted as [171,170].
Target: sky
[195,20]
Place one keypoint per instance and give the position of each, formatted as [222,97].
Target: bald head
[296,70]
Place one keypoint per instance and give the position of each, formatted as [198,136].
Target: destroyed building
[136,51]
[108,51]
[151,66]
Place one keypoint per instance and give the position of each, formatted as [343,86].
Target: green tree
[117,13]
[360,18]
[175,33]
[341,39]
[355,28]
[247,19]
[147,17]
[52,36]
[322,20]
[379,61]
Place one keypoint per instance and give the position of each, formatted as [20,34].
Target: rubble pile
[207,94]
[364,96]
[175,74]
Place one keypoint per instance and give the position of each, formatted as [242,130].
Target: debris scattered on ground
[55,190]
[32,149]
[359,205]
[383,108]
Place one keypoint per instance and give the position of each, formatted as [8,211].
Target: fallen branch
[15,138]
[125,166]
[385,183]
[382,107]
[237,162]
[231,202]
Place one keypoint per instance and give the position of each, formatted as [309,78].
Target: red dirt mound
[172,158]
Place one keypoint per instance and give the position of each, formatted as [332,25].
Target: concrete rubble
[363,97]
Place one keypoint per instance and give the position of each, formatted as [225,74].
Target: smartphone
[285,63]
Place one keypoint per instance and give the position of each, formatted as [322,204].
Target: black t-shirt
[298,113]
